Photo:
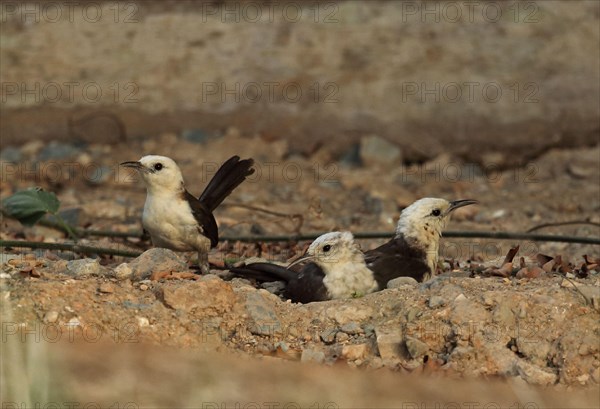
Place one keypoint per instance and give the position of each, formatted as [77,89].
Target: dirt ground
[538,333]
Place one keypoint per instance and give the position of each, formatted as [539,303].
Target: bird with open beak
[413,251]
[172,216]
[336,269]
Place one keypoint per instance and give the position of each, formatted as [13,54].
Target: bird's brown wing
[395,259]
[308,285]
[304,286]
[204,217]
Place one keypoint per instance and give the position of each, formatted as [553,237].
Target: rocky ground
[539,325]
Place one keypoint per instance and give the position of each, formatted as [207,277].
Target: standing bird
[172,216]
[336,270]
[413,251]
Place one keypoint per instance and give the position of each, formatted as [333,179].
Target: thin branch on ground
[541,226]
[76,248]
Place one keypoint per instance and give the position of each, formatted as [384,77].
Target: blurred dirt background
[377,126]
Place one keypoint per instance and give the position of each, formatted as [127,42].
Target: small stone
[355,351]
[106,288]
[261,312]
[341,337]
[122,271]
[51,316]
[351,157]
[10,154]
[84,267]
[57,150]
[156,260]
[143,287]
[389,340]
[142,322]
[5,276]
[274,287]
[460,297]
[375,150]
[351,328]
[413,313]
[328,335]
[534,375]
[401,282]
[436,301]
[416,348]
[312,355]
[347,313]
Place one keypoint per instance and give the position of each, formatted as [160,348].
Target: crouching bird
[413,252]
[172,216]
[336,270]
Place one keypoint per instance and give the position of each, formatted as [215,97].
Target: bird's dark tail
[264,272]
[228,177]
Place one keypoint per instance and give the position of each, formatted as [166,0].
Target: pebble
[107,288]
[51,316]
[142,322]
[341,337]
[274,287]
[401,282]
[460,297]
[312,355]
[57,150]
[85,267]
[265,320]
[11,154]
[416,348]
[375,150]
[328,335]
[436,301]
[143,287]
[389,340]
[351,328]
[154,260]
[355,351]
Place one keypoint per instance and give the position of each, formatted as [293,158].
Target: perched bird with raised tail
[172,216]
[336,269]
[413,252]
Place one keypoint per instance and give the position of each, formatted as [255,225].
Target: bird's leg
[203,262]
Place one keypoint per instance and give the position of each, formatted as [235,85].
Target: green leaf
[30,205]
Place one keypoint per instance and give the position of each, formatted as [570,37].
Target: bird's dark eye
[326,248]
[158,166]
[436,212]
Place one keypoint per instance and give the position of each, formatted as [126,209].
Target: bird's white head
[421,224]
[335,247]
[159,173]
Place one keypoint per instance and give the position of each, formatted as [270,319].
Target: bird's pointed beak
[300,260]
[132,164]
[460,203]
